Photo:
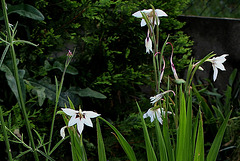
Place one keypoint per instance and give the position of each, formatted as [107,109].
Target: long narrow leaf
[199,151]
[188,134]
[45,155]
[213,152]
[101,148]
[150,152]
[204,106]
[122,141]
[4,54]
[161,142]
[23,153]
[57,145]
[181,132]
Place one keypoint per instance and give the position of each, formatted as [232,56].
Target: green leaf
[50,92]
[40,92]
[161,143]
[214,150]
[228,97]
[45,155]
[101,148]
[24,42]
[150,152]
[218,113]
[23,153]
[188,134]
[199,150]
[70,69]
[87,92]
[57,65]
[4,54]
[24,10]
[11,79]
[233,77]
[181,131]
[57,145]
[204,106]
[122,141]
[167,140]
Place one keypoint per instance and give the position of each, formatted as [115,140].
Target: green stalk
[20,99]
[8,149]
[58,92]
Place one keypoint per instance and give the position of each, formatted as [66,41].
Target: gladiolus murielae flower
[156,98]
[80,118]
[153,112]
[148,43]
[149,13]
[217,63]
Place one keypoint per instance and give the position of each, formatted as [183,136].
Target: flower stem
[20,96]
[8,149]
[58,92]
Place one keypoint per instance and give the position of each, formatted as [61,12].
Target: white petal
[80,126]
[87,122]
[62,132]
[215,73]
[220,66]
[73,121]
[169,112]
[152,117]
[69,111]
[143,23]
[150,113]
[148,45]
[156,98]
[90,114]
[222,58]
[160,13]
[145,115]
[159,112]
[160,120]
[147,11]
[137,14]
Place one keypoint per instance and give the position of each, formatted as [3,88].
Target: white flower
[80,118]
[156,98]
[152,113]
[149,13]
[217,63]
[148,44]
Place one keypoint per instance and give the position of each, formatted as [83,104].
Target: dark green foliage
[110,58]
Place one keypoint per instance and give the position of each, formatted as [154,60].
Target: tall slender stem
[57,100]
[8,149]
[20,96]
